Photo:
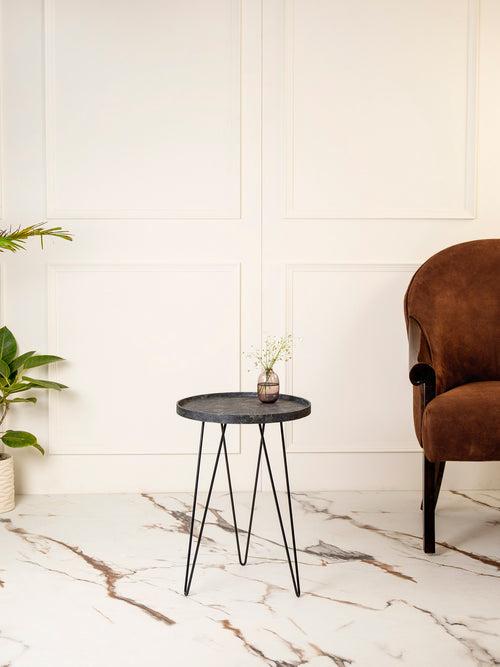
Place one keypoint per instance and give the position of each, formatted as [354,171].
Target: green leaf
[8,345]
[18,439]
[19,361]
[17,387]
[30,399]
[41,360]
[45,384]
[15,239]
[4,369]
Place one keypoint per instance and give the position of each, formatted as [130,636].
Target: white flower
[275,349]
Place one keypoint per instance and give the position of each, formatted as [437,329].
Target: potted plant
[15,379]
[15,370]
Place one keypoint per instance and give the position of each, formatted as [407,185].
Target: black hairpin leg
[242,558]
[189,575]
[243,561]
[295,575]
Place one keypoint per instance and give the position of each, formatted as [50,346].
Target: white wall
[230,168]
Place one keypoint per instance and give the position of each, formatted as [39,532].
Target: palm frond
[15,239]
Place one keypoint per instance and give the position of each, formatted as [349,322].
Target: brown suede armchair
[452,311]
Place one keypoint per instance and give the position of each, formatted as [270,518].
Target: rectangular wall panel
[351,357]
[137,339]
[143,109]
[380,108]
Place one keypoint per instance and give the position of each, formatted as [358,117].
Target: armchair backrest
[455,298]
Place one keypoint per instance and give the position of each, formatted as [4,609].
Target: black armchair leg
[429,484]
[439,478]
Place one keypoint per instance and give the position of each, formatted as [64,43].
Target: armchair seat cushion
[463,424]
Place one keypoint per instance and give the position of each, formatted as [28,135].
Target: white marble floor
[97,580]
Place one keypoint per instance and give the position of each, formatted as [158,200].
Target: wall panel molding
[466,209]
[291,270]
[107,385]
[229,207]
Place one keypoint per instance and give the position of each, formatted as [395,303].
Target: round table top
[242,408]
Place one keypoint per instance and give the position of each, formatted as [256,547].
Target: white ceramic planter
[7,496]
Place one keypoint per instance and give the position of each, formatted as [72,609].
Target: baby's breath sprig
[275,349]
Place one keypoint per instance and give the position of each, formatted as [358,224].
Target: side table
[242,408]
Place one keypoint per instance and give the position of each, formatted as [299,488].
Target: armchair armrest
[421,373]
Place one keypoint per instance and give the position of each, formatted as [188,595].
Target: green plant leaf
[8,345]
[17,387]
[18,439]
[30,399]
[4,369]
[45,384]
[41,360]
[19,361]
[15,239]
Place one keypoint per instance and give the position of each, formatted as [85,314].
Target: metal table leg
[295,576]
[242,558]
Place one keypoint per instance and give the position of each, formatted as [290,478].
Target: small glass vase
[268,387]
